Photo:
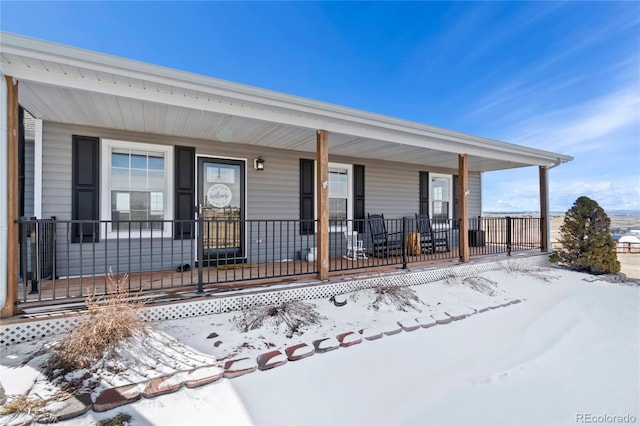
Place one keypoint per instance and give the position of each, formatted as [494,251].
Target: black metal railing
[504,234]
[70,259]
[391,242]
[66,259]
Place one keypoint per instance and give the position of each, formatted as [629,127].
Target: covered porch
[89,108]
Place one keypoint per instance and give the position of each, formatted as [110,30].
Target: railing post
[35,255]
[508,231]
[200,248]
[23,225]
[404,243]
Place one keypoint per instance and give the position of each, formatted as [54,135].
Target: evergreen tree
[587,244]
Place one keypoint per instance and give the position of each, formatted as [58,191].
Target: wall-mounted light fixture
[258,164]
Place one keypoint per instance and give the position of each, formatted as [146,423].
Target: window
[136,187]
[440,194]
[340,196]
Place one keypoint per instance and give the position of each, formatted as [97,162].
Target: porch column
[545,219]
[463,214]
[322,190]
[37,170]
[11,242]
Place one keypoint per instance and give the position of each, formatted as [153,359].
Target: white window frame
[449,200]
[107,145]
[349,168]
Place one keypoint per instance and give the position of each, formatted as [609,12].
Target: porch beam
[9,308]
[322,182]
[545,219]
[463,214]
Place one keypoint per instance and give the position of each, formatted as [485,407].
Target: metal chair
[355,246]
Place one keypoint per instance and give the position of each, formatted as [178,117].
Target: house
[181,179]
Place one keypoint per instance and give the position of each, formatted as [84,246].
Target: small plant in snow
[402,298]
[450,278]
[120,419]
[481,284]
[108,322]
[293,315]
[515,267]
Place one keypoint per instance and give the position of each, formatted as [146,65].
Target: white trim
[37,169]
[449,200]
[105,194]
[349,168]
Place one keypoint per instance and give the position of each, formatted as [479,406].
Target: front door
[221,189]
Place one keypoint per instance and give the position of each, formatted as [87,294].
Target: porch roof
[70,85]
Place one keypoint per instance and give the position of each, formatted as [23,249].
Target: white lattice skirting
[213,304]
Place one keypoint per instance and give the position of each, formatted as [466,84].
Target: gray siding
[273,194]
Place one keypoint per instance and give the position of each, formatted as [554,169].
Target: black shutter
[85,187]
[307,194]
[424,193]
[456,216]
[358,198]
[185,191]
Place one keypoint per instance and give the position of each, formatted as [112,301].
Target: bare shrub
[402,298]
[481,284]
[515,267]
[108,321]
[293,315]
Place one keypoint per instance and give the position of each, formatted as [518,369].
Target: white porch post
[545,219]
[37,170]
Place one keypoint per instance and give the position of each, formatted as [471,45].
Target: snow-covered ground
[569,351]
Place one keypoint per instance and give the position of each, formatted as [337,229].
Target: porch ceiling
[69,85]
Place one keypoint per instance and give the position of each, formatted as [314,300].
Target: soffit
[83,92]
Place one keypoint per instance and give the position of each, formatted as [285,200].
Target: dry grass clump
[293,315]
[23,404]
[481,284]
[402,298]
[516,267]
[32,406]
[109,320]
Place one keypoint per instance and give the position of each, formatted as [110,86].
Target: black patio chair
[430,241]
[382,242]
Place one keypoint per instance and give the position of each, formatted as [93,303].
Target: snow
[570,348]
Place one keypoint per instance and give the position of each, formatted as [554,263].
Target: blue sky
[558,76]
